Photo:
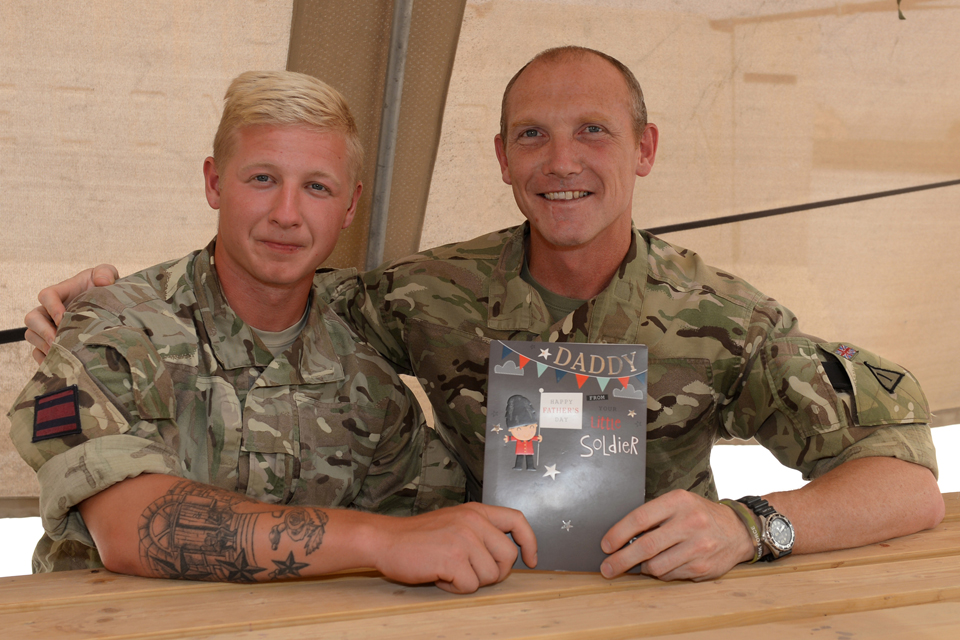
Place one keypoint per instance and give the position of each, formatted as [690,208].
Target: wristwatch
[776,532]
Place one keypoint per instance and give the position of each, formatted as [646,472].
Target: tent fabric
[349,50]
[108,109]
[760,105]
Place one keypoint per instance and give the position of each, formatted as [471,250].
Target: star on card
[545,353]
[551,471]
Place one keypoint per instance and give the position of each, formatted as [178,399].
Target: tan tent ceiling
[108,109]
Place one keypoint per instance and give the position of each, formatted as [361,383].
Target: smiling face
[284,193]
[570,151]
[524,432]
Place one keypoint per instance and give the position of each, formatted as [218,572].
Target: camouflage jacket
[171,381]
[725,361]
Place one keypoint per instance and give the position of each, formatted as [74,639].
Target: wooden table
[905,588]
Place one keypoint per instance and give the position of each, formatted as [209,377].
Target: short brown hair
[637,107]
[285,98]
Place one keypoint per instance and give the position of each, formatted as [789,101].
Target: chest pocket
[681,426]
[331,432]
[271,442]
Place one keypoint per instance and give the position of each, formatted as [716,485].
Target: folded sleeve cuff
[87,469]
[909,442]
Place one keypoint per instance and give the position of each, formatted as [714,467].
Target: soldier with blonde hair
[211,418]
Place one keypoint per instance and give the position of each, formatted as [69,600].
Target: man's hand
[460,549]
[685,537]
[43,321]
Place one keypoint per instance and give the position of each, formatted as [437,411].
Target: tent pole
[389,119]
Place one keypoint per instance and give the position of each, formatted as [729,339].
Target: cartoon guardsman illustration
[522,424]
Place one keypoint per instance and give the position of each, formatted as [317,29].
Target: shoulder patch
[56,414]
[887,378]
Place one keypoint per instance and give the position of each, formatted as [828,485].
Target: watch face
[780,532]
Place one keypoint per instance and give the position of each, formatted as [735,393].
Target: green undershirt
[559,306]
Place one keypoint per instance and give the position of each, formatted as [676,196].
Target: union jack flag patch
[845,352]
[56,414]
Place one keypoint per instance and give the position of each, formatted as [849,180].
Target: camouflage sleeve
[362,302]
[411,471]
[442,479]
[124,398]
[813,419]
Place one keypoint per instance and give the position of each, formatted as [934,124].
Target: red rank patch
[56,414]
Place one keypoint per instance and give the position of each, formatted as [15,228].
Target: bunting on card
[564,359]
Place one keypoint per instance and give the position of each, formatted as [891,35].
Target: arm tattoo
[194,532]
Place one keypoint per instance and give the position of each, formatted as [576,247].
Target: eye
[593,128]
[529,133]
[262,177]
[316,186]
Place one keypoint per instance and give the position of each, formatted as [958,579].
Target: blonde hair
[285,98]
[638,110]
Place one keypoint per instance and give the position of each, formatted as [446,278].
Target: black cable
[740,217]
[12,335]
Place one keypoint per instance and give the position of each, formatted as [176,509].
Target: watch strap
[764,511]
[749,520]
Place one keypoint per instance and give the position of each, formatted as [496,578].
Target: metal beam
[389,121]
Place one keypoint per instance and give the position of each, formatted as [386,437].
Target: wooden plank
[939,621]
[363,607]
[94,587]
[952,503]
[52,590]
[672,609]
[22,507]
[941,542]
[354,595]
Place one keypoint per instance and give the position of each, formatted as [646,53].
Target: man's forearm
[162,526]
[862,501]
[166,527]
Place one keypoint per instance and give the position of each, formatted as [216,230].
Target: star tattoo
[288,567]
[567,525]
[240,570]
[181,571]
[551,471]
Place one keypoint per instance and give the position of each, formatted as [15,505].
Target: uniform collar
[311,359]
[613,316]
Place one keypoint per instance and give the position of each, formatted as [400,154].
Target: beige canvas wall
[107,110]
[350,50]
[760,104]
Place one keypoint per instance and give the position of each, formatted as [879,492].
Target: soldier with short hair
[724,360]
[211,418]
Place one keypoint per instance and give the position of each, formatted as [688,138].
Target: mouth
[281,247]
[565,195]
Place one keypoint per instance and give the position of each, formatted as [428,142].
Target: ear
[211,183]
[502,157]
[352,211]
[648,149]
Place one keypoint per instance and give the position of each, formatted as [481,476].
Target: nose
[286,209]
[563,158]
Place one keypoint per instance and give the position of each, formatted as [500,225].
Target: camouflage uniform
[725,361]
[171,381]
